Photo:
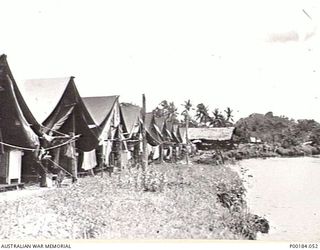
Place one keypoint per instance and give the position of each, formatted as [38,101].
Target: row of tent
[47,128]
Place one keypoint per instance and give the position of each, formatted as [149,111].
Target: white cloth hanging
[89,160]
[106,150]
[156,152]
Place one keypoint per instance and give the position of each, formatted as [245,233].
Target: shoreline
[279,193]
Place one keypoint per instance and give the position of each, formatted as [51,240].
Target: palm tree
[218,119]
[166,109]
[172,112]
[203,113]
[187,108]
[229,114]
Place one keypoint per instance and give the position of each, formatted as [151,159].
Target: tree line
[203,116]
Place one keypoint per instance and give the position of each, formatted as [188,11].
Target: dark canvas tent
[181,132]
[16,126]
[152,130]
[130,118]
[160,122]
[58,107]
[168,149]
[105,111]
[174,132]
[130,123]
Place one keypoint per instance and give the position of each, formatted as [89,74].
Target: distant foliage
[168,110]
[278,130]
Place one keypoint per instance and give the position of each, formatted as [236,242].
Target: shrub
[231,194]
[149,180]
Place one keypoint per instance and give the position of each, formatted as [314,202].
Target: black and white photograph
[159,121]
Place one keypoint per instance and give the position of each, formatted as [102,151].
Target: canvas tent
[171,129]
[16,127]
[168,149]
[130,117]
[181,133]
[58,107]
[130,123]
[175,133]
[165,127]
[152,130]
[154,137]
[105,111]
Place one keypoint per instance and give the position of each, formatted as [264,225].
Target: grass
[169,201]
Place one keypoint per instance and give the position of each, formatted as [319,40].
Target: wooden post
[187,138]
[43,167]
[57,155]
[161,153]
[173,154]
[102,158]
[120,151]
[74,160]
[43,174]
[144,134]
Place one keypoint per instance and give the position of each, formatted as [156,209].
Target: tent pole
[102,158]
[144,134]
[119,150]
[161,152]
[187,139]
[74,162]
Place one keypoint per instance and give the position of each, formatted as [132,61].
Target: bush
[150,180]
[231,194]
[246,224]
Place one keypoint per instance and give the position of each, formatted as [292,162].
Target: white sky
[254,56]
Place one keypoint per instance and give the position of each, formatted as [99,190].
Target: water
[286,191]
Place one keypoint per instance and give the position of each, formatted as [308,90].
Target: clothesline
[64,143]
[17,147]
[122,140]
[34,149]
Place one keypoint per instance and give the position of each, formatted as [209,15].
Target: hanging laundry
[156,152]
[106,150]
[89,160]
[70,151]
